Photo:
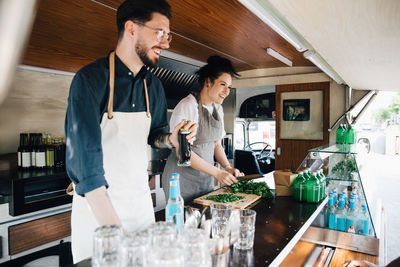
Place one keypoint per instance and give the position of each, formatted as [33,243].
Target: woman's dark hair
[216,66]
[140,11]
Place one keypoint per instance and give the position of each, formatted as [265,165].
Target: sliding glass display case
[350,218]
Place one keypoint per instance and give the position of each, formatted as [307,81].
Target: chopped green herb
[224,198]
[250,187]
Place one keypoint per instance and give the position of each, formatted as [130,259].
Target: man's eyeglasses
[161,34]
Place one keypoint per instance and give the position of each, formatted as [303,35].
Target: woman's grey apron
[193,182]
[124,142]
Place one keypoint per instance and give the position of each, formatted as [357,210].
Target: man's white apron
[124,143]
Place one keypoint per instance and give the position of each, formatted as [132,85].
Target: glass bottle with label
[174,209]
[298,185]
[32,148]
[25,152]
[40,152]
[49,152]
[341,216]
[313,188]
[330,213]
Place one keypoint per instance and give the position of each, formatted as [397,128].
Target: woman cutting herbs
[204,107]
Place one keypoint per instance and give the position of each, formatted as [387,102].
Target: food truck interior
[303,62]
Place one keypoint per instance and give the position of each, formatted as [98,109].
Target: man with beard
[115,108]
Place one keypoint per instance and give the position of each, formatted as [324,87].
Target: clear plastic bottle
[174,209]
[351,217]
[341,216]
[363,225]
[330,213]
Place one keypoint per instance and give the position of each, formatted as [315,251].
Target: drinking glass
[131,251]
[162,234]
[246,231]
[106,240]
[196,248]
[167,256]
[220,215]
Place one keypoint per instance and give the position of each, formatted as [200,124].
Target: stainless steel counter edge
[278,260]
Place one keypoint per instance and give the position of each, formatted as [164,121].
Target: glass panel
[343,178]
[239,135]
[262,131]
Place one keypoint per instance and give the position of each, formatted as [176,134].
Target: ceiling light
[323,65]
[278,56]
[267,13]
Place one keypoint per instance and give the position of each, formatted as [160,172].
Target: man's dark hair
[216,66]
[141,11]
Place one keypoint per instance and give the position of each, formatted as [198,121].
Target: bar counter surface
[280,223]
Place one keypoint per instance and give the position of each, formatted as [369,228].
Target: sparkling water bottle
[174,209]
[351,216]
[341,216]
[330,213]
[363,225]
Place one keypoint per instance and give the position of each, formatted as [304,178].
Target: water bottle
[341,216]
[349,135]
[313,189]
[298,187]
[340,133]
[351,216]
[330,213]
[362,225]
[174,209]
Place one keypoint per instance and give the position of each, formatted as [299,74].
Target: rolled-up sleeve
[84,156]
[158,108]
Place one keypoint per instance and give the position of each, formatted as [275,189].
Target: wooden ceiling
[69,34]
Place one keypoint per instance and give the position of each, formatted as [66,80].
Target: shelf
[342,180]
[336,148]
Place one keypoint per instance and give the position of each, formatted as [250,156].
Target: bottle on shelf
[340,134]
[362,224]
[299,187]
[351,216]
[330,213]
[49,152]
[40,152]
[32,148]
[25,151]
[174,209]
[313,188]
[59,153]
[341,216]
[349,135]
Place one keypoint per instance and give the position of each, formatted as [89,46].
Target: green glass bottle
[349,135]
[340,132]
[313,188]
[298,185]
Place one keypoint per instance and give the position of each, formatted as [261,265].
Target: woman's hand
[225,178]
[235,172]
[187,125]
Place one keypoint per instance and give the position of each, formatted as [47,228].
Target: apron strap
[111,98]
[147,98]
[112,75]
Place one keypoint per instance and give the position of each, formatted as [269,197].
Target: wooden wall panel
[31,234]
[294,151]
[70,34]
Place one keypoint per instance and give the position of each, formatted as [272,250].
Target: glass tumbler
[220,216]
[131,251]
[196,248]
[246,231]
[106,240]
[162,234]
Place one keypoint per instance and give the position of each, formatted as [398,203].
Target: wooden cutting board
[239,204]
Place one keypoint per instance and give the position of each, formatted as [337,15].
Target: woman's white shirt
[187,109]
